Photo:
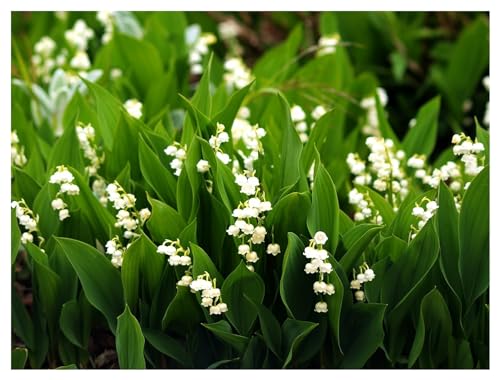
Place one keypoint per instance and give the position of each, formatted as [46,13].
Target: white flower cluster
[210,294]
[134,108]
[318,257]
[299,119]
[248,226]
[228,31]
[385,173]
[447,172]
[469,151]
[127,217]
[106,20]
[198,50]
[99,190]
[369,104]
[179,152]
[86,138]
[177,254]
[17,156]
[115,248]
[328,44]
[64,178]
[216,141]
[78,38]
[236,73]
[43,60]
[365,210]
[27,219]
[250,135]
[486,117]
[423,215]
[365,275]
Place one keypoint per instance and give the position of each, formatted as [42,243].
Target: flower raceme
[64,179]
[319,264]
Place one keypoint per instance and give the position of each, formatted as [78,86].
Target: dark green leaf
[222,330]
[100,280]
[129,342]
[165,222]
[168,346]
[474,237]
[356,240]
[240,283]
[324,212]
[294,331]
[18,358]
[15,237]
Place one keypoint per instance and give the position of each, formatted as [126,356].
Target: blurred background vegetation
[413,55]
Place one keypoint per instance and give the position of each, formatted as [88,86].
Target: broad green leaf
[108,110]
[356,241]
[129,342]
[19,356]
[447,228]
[125,148]
[183,313]
[467,63]
[434,330]
[362,332]
[222,330]
[66,151]
[270,328]
[228,114]
[141,271]
[22,324]
[295,285]
[24,185]
[70,323]
[158,176]
[203,263]
[143,60]
[381,204]
[100,280]
[474,237]
[168,346]
[165,222]
[240,283]
[15,237]
[324,212]
[483,136]
[289,214]
[294,331]
[421,139]
[335,301]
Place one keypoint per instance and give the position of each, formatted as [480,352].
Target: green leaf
[22,325]
[69,366]
[295,285]
[108,111]
[142,59]
[384,126]
[129,342]
[324,212]
[15,237]
[141,271]
[100,280]
[18,358]
[183,313]
[228,114]
[294,331]
[25,186]
[203,263]
[240,283]
[356,241]
[467,62]
[483,136]
[70,323]
[160,230]
[362,332]
[381,204]
[66,151]
[168,346]
[270,328]
[474,238]
[433,332]
[222,330]
[155,174]
[289,214]
[447,227]
[421,139]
